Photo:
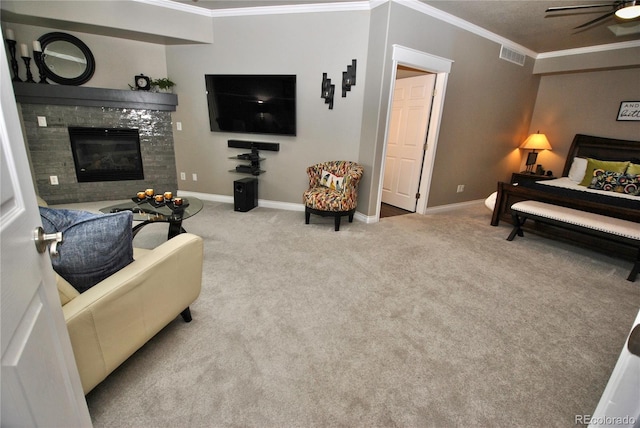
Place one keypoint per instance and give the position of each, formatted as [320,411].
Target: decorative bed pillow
[593,164]
[578,168]
[615,182]
[633,169]
[94,246]
[331,181]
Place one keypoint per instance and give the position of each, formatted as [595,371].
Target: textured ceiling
[521,21]
[526,23]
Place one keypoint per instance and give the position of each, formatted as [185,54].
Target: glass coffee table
[148,211]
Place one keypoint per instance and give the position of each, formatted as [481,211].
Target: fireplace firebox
[106,154]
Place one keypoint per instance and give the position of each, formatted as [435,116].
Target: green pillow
[633,169]
[593,164]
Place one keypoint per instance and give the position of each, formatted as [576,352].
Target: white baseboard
[368,219]
[206,196]
[450,207]
[290,206]
[287,206]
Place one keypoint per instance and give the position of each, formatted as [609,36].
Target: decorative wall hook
[327,91]
[349,77]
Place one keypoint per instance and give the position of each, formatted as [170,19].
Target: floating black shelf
[254,157]
[239,144]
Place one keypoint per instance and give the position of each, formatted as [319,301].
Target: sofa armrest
[114,318]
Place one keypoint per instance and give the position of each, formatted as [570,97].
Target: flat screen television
[251,103]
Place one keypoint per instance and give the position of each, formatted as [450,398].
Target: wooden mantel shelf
[36,93]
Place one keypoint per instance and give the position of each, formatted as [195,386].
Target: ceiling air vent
[512,56]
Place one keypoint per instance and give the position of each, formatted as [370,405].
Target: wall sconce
[534,142]
[349,78]
[327,91]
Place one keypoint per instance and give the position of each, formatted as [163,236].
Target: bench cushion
[614,226]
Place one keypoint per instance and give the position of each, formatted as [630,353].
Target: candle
[24,51]
[37,47]
[9,34]
[168,195]
[149,192]
[142,195]
[159,198]
[177,201]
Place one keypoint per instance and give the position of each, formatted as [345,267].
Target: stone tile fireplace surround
[49,147]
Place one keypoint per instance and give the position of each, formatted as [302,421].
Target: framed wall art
[629,110]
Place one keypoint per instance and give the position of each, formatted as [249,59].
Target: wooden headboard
[609,149]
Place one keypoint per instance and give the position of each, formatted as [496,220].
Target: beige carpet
[416,321]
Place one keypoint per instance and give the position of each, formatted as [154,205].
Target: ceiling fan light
[629,12]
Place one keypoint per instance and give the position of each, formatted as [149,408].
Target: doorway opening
[406,140]
[387,210]
[407,60]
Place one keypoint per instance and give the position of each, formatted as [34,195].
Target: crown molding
[267,10]
[167,4]
[465,25]
[367,5]
[590,49]
[295,8]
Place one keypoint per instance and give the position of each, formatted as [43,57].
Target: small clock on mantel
[143,83]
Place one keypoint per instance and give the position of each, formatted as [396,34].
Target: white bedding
[567,183]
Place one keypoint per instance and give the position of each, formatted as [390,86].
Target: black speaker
[245,194]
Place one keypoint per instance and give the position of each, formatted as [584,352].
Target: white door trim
[432,64]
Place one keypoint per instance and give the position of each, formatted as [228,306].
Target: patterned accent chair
[334,194]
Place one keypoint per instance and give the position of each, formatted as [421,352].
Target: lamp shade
[631,11]
[536,142]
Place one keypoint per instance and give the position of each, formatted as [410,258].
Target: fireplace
[106,154]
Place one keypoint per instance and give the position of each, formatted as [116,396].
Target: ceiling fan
[624,9]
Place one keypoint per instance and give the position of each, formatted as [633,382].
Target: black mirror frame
[91,64]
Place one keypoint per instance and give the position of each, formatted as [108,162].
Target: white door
[619,405]
[411,109]
[40,385]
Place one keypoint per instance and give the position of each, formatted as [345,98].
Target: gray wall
[373,124]
[583,103]
[487,107]
[117,60]
[306,45]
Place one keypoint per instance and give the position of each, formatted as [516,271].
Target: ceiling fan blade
[586,6]
[586,24]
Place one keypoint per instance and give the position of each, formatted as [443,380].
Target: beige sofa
[114,318]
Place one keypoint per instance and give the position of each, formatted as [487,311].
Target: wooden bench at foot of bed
[615,229]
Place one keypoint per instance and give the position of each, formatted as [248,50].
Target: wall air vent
[511,55]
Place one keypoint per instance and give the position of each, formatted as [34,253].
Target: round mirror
[66,59]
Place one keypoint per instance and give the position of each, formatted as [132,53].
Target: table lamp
[534,142]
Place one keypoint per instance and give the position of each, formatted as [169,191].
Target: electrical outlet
[460,188]
[42,121]
[179,126]
[183,176]
[194,176]
[53,179]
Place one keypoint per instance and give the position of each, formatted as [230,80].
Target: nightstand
[519,177]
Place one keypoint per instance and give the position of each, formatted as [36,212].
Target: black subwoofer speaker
[245,194]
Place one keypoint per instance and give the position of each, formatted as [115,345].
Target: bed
[560,192]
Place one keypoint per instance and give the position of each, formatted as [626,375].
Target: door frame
[428,63]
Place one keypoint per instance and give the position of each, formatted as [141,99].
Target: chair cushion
[325,199]
[94,246]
